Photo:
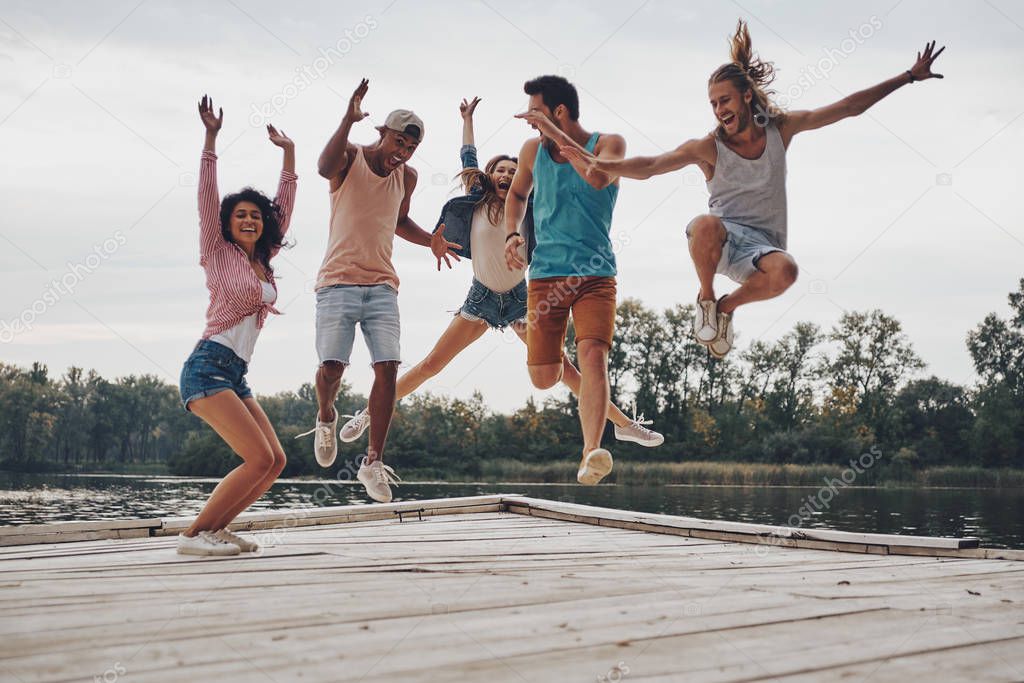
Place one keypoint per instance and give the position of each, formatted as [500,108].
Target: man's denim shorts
[373,307]
[210,369]
[499,310]
[744,246]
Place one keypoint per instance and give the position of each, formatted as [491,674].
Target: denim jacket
[457,214]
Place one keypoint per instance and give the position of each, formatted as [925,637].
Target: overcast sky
[913,208]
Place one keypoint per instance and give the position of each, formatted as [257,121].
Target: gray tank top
[752,192]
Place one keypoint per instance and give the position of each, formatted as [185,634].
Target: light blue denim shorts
[744,246]
[374,307]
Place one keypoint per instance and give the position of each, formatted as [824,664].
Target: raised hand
[922,69]
[468,107]
[539,122]
[210,120]
[355,112]
[576,155]
[279,138]
[513,259]
[442,248]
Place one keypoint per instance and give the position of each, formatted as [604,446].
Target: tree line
[812,396]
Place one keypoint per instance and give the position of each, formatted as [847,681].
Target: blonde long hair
[474,178]
[747,71]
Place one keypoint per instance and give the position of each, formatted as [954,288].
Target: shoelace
[639,421]
[326,432]
[211,537]
[359,417]
[384,474]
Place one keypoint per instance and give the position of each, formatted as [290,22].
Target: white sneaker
[354,428]
[594,467]
[377,478]
[636,432]
[722,343]
[244,544]
[205,543]
[705,321]
[325,446]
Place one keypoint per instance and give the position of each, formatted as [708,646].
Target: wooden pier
[504,588]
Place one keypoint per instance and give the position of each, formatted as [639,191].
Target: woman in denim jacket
[497,297]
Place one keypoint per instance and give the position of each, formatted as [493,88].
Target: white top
[489,266]
[242,337]
[752,192]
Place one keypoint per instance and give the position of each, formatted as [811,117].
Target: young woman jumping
[237,239]
[497,297]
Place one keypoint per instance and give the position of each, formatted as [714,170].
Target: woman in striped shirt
[237,239]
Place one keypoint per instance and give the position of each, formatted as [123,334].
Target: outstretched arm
[612,147]
[515,204]
[859,102]
[639,168]
[335,157]
[210,237]
[410,231]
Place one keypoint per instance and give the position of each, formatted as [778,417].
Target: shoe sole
[646,444]
[714,334]
[201,553]
[596,466]
[375,498]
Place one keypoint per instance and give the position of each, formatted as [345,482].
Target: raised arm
[516,203]
[210,237]
[339,151]
[468,152]
[856,104]
[699,151]
[410,231]
[285,198]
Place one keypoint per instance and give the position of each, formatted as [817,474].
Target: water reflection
[995,516]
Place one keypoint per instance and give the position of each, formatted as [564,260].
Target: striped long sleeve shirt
[235,291]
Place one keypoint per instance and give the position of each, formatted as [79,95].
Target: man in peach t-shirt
[357,284]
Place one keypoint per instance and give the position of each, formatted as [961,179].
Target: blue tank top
[571,221]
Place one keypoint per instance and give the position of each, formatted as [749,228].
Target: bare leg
[382,407]
[776,272]
[230,418]
[594,391]
[706,237]
[453,341]
[328,382]
[571,379]
[279,461]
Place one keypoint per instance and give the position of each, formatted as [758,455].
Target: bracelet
[511,235]
[909,73]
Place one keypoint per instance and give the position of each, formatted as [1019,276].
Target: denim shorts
[499,310]
[373,307]
[210,369]
[744,246]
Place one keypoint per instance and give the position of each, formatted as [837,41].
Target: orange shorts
[591,300]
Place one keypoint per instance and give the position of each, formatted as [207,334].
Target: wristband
[910,73]
[511,235]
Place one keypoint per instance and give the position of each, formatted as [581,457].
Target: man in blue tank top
[573,266]
[743,235]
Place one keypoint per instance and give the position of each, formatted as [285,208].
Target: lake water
[996,516]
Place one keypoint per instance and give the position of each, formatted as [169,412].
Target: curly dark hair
[271,240]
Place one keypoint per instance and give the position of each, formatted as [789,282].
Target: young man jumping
[573,267]
[743,235]
[370,190]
